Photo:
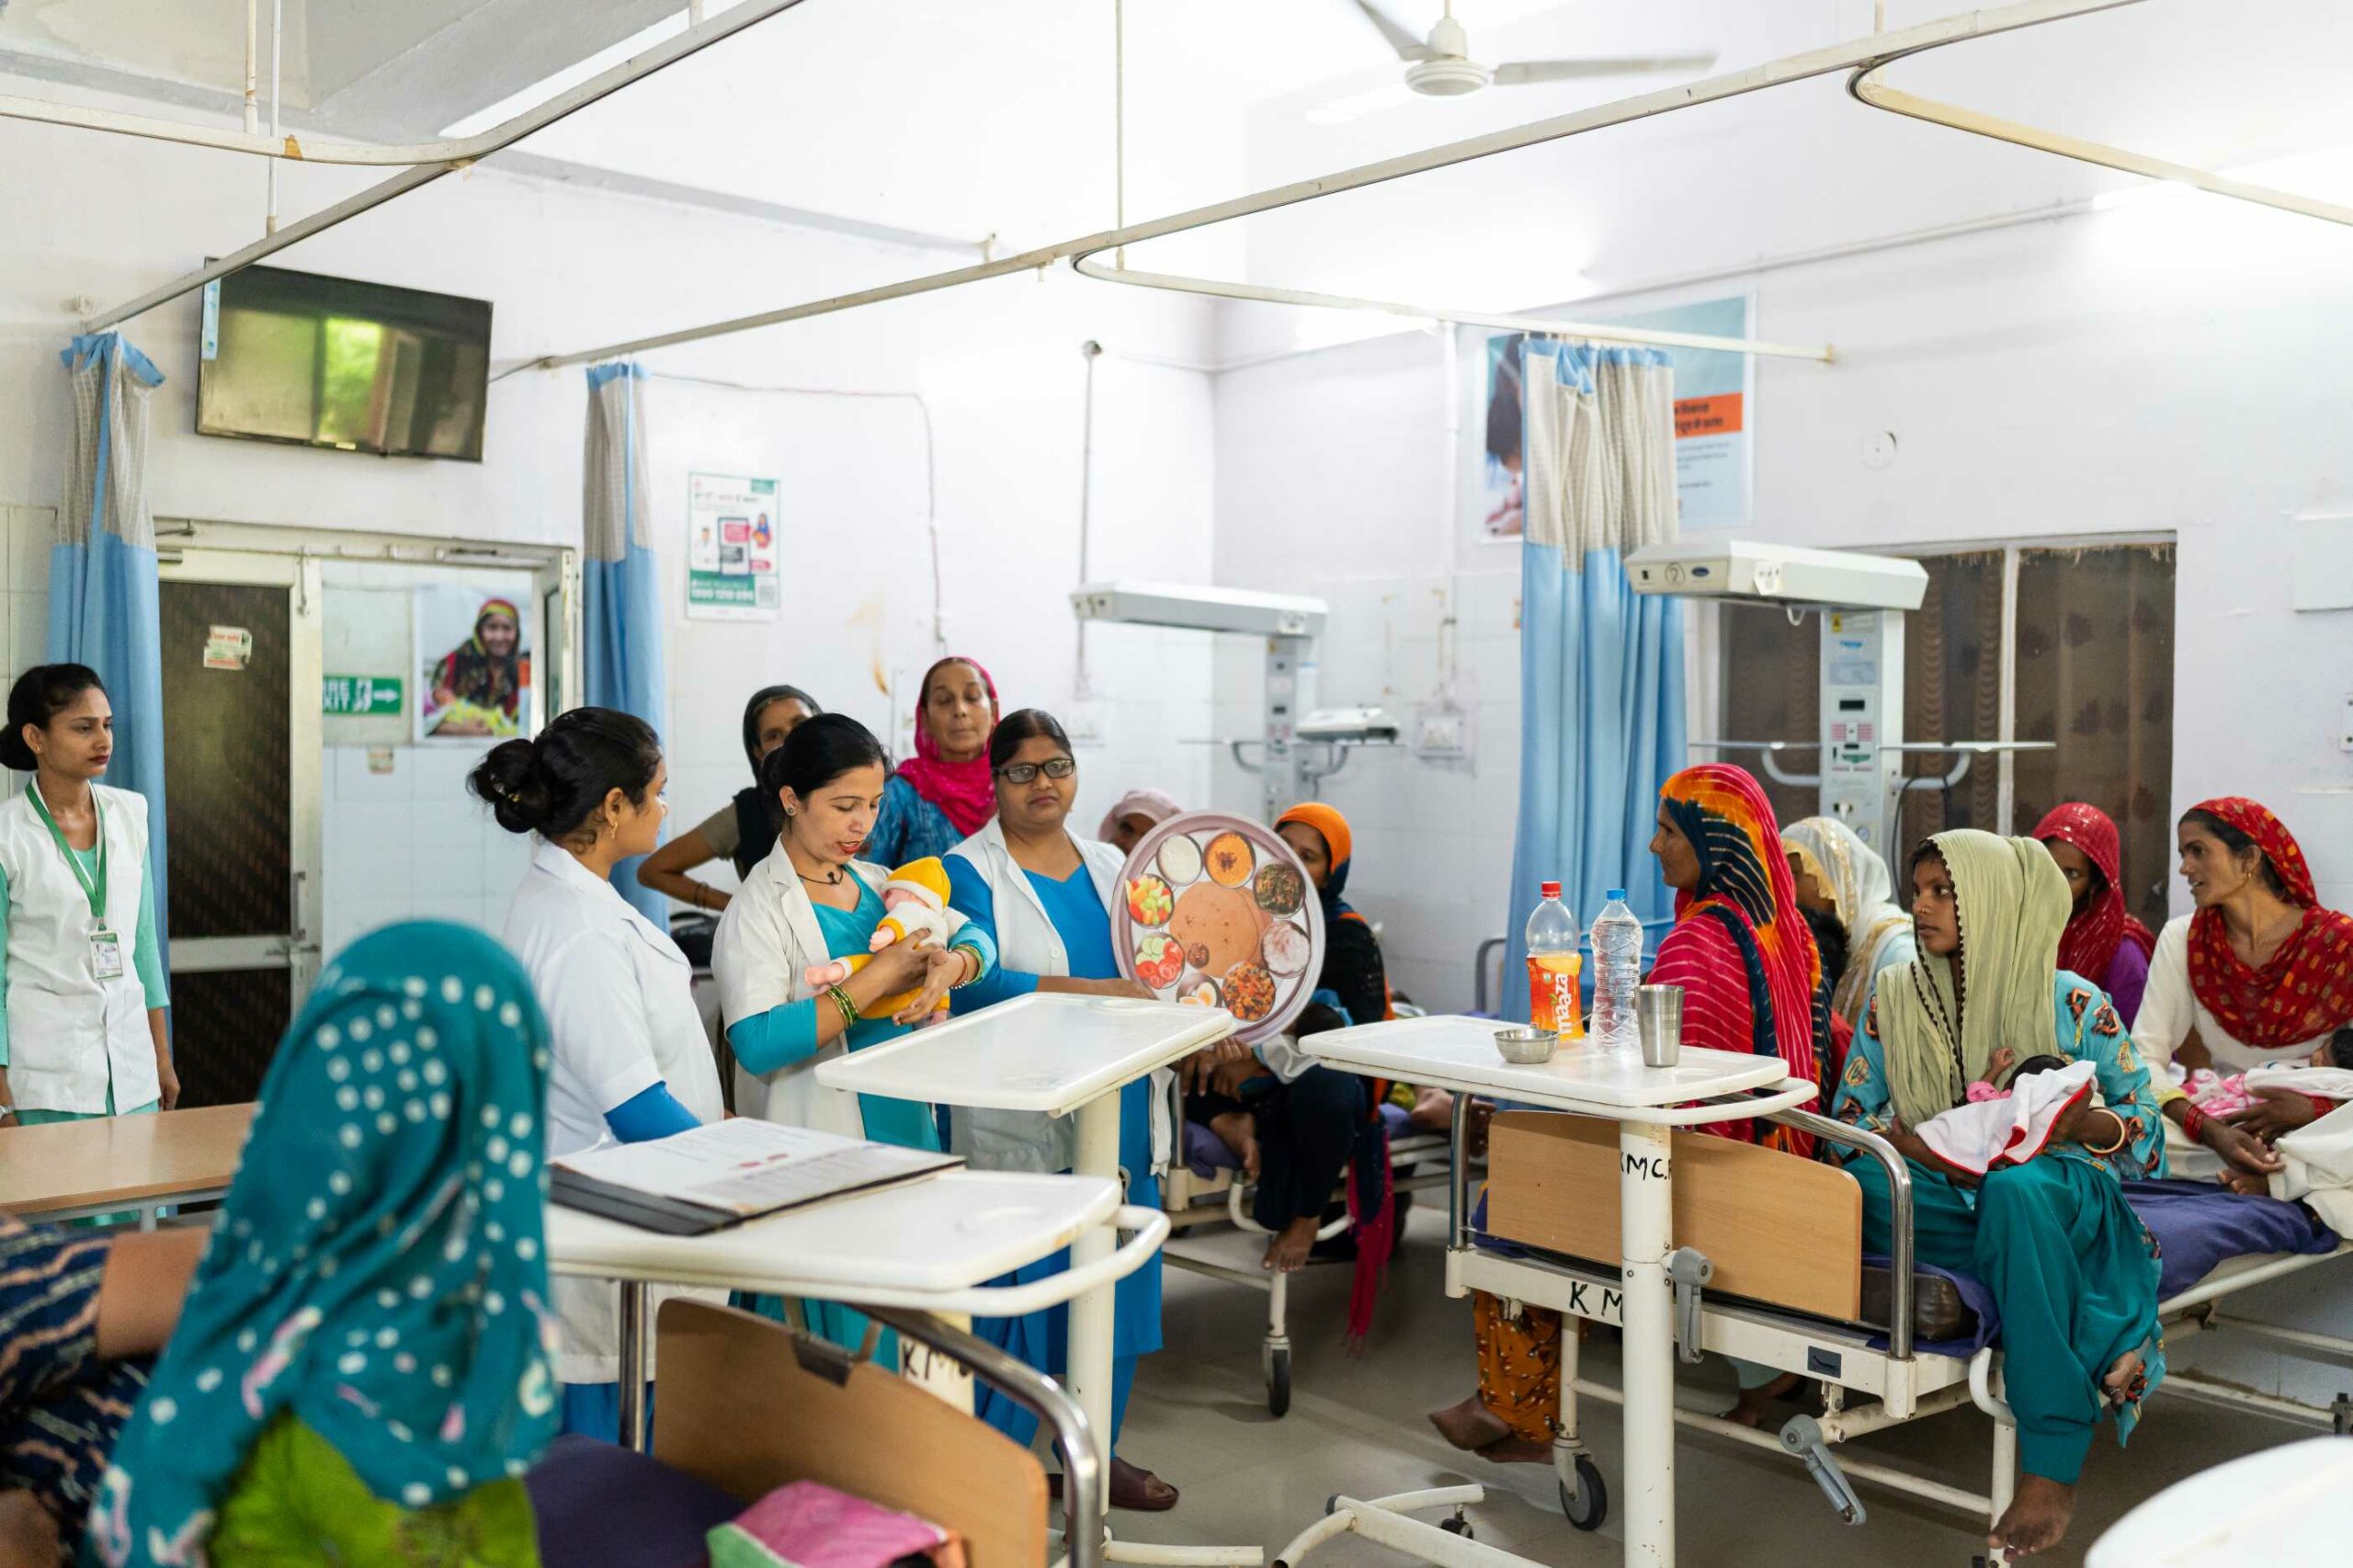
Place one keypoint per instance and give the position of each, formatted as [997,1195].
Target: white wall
[999,366]
[2172,367]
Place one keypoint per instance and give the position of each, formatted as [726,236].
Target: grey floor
[1198,1418]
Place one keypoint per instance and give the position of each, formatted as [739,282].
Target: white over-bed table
[930,1247]
[1063,1055]
[1647,1103]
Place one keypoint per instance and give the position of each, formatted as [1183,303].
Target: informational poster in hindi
[1715,410]
[732,529]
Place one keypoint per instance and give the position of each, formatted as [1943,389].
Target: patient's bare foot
[2037,1517]
[1239,1131]
[2124,1382]
[1470,1425]
[1433,1110]
[1287,1248]
[27,1532]
[1755,1408]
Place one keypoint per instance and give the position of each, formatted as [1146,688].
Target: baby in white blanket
[2047,1100]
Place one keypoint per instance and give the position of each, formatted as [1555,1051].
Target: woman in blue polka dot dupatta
[362,1371]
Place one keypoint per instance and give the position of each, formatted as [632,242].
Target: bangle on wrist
[2123,1134]
[2193,1122]
[850,1014]
[973,953]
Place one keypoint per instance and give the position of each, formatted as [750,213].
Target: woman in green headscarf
[2074,1272]
[362,1370]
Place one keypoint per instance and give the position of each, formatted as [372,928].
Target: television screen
[332,362]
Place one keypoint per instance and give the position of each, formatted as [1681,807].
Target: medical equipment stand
[1660,1283]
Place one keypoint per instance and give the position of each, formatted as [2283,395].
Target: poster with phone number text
[733,546]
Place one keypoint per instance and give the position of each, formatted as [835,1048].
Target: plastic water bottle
[1618,969]
[1552,964]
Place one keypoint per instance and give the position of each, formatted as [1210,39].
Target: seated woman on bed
[1751,983]
[1291,1122]
[2258,974]
[2070,1265]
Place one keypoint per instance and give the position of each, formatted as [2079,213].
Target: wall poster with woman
[474,650]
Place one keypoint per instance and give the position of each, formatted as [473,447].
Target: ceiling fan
[1440,66]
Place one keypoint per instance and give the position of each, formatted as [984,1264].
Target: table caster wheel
[1277,1383]
[1458,1526]
[1590,1505]
[1332,1503]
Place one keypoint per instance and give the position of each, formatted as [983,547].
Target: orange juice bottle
[1552,966]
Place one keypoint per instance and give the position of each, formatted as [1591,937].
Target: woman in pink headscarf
[945,795]
[1134,814]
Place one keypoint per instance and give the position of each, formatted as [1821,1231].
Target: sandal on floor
[1132,1488]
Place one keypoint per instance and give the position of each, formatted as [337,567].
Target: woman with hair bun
[629,1057]
[82,1026]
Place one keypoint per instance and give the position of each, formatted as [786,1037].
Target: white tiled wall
[412,843]
[24,598]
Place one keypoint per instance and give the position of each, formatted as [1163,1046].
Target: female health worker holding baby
[631,1060]
[811,903]
[81,1030]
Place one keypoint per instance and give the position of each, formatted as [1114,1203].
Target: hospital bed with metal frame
[1880,1360]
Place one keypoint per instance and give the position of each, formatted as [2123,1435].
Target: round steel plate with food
[1215,910]
[1149,901]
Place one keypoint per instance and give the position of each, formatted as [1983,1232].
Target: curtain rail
[432,159]
[1853,55]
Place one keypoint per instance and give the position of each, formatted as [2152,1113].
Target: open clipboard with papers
[727,1172]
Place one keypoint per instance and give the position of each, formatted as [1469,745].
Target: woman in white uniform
[81,1030]
[631,1060]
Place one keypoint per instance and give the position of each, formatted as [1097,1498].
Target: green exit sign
[356,695]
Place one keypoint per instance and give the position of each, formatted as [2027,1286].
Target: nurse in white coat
[631,1059]
[82,1029]
[812,900]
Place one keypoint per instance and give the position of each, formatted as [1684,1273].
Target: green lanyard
[95,892]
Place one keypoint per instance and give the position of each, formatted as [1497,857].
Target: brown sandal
[1132,1488]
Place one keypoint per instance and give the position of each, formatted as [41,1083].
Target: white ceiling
[977,117]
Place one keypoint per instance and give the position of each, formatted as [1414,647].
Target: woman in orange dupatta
[1752,982]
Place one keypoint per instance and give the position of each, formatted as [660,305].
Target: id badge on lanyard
[106,954]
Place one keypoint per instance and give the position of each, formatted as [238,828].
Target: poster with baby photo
[473,646]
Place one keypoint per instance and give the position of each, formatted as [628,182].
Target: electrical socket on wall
[2345,730]
[1442,734]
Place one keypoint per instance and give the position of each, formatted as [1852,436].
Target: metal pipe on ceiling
[668,52]
[461,150]
[1866,89]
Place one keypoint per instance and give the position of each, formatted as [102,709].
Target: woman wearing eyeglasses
[1047,896]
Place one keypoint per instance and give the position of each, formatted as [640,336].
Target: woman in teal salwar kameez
[2073,1271]
[812,900]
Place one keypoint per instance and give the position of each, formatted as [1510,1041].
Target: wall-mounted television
[332,362]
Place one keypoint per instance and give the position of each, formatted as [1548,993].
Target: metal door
[240,639]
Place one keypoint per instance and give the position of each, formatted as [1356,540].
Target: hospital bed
[1872,1336]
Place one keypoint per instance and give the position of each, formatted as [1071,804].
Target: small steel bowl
[1527,1047]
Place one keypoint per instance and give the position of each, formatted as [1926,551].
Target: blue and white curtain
[621,620]
[102,593]
[1601,667]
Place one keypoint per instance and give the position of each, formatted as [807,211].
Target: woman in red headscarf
[2104,942]
[1752,982]
[945,794]
[2258,973]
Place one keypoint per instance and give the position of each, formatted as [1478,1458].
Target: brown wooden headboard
[738,1408]
[1778,1228]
